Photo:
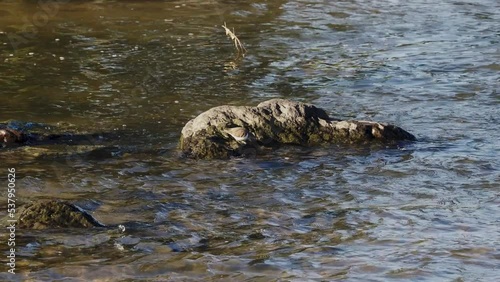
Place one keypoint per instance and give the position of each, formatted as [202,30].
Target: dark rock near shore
[273,123]
[55,214]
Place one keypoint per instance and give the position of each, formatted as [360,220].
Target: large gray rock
[276,122]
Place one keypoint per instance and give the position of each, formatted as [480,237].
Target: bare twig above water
[237,43]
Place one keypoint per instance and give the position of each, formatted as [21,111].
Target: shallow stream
[139,70]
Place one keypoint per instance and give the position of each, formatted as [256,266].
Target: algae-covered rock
[55,214]
[275,122]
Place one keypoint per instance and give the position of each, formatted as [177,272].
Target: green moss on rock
[55,214]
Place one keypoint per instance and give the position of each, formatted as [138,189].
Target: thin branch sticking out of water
[237,43]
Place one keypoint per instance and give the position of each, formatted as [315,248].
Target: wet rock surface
[55,214]
[273,123]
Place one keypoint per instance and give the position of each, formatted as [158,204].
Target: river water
[139,70]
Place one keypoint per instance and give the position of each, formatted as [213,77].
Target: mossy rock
[55,214]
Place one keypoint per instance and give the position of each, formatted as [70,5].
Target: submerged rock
[18,133]
[55,214]
[35,140]
[226,131]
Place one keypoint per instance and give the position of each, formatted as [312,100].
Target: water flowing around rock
[273,123]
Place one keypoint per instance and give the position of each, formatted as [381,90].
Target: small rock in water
[256,236]
[55,214]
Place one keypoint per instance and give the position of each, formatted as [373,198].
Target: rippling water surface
[137,71]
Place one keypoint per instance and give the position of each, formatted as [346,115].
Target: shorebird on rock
[240,134]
